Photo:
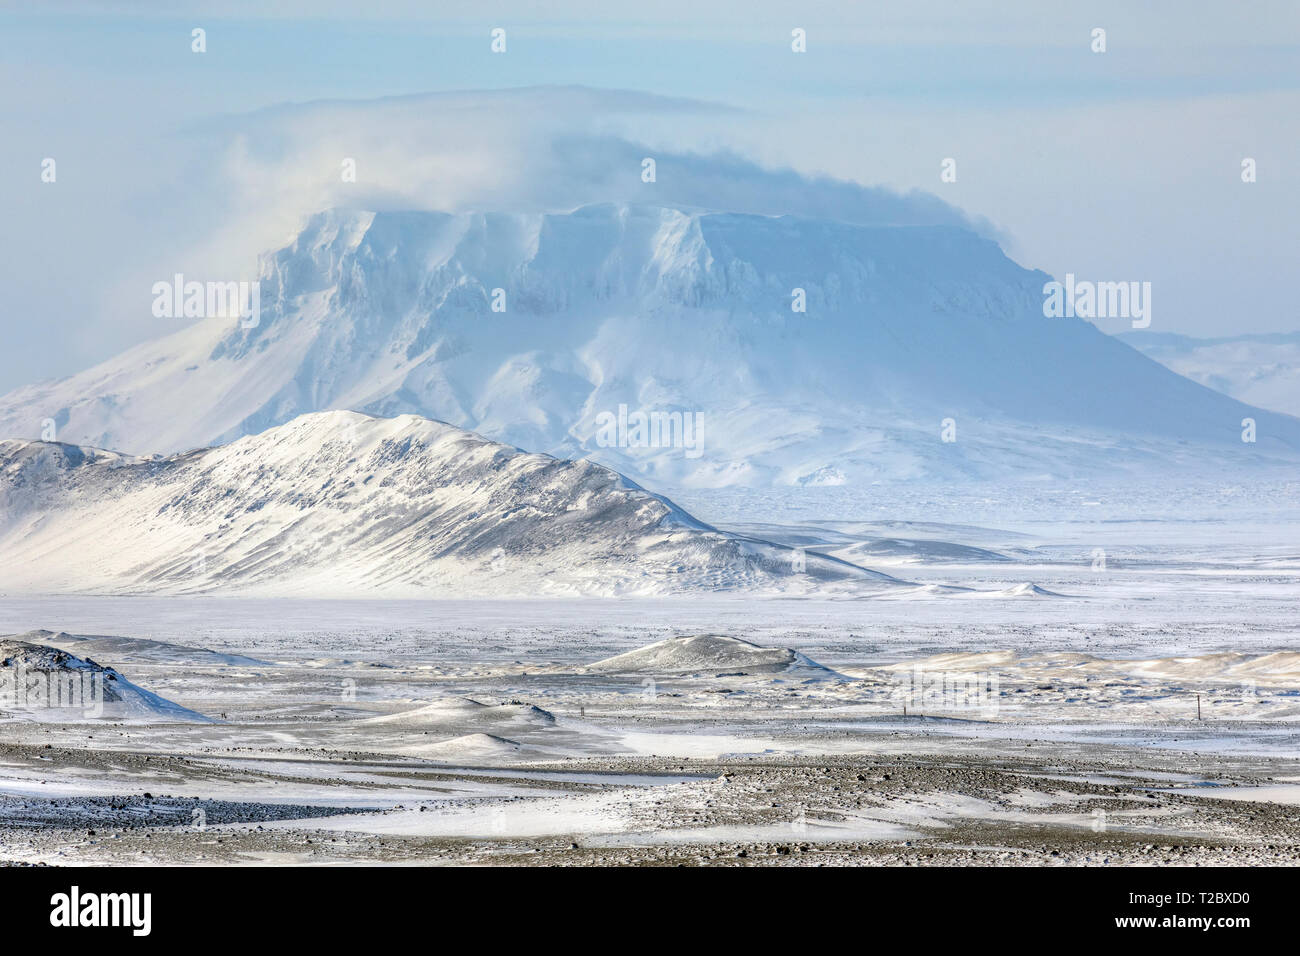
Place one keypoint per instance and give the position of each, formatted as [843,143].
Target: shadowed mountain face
[565,333]
[337,503]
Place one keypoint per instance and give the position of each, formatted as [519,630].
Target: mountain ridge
[679,311]
[336,503]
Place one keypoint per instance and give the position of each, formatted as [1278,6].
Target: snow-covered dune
[534,329]
[338,503]
[467,715]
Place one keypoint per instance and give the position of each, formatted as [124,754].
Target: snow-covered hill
[1263,370]
[612,311]
[701,653]
[44,683]
[338,503]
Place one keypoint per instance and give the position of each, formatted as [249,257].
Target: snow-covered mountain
[338,503]
[556,332]
[1262,369]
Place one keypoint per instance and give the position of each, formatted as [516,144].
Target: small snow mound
[41,636]
[465,712]
[923,591]
[705,652]
[521,709]
[1280,665]
[1276,669]
[452,707]
[1024,590]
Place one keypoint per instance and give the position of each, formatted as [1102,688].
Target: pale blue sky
[1121,165]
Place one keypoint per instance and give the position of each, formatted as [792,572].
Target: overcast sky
[1117,165]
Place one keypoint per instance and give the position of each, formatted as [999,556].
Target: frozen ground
[1037,729]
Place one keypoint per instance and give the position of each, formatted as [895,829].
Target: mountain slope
[613,310]
[338,503]
[1263,369]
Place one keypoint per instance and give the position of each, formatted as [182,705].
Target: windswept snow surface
[669,311]
[338,503]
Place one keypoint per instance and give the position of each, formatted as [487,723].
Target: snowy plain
[483,726]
